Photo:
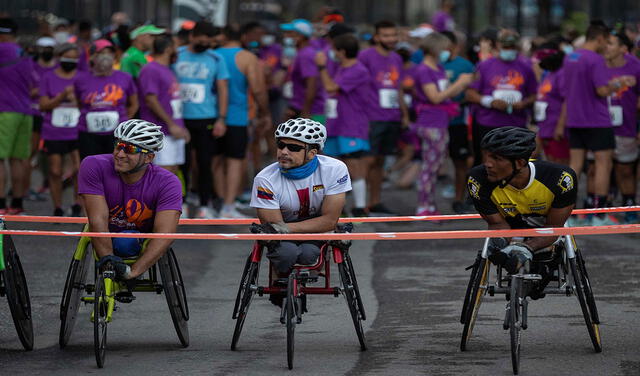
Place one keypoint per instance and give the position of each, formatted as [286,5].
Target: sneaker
[35,196]
[15,211]
[185,211]
[58,212]
[606,220]
[580,220]
[76,210]
[232,213]
[192,199]
[379,209]
[205,212]
[359,212]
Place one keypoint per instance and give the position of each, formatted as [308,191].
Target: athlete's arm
[331,209]
[166,221]
[98,215]
[220,126]
[495,221]
[556,217]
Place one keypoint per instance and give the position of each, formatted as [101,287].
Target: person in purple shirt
[386,112]
[432,100]
[59,106]
[623,109]
[16,84]
[303,88]
[346,111]
[505,88]
[124,192]
[442,20]
[107,97]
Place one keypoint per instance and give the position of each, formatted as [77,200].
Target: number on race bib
[388,98]
[443,84]
[408,100]
[193,93]
[507,95]
[331,108]
[65,117]
[287,90]
[540,111]
[617,118]
[101,122]
[176,108]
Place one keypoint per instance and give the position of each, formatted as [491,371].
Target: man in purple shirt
[442,20]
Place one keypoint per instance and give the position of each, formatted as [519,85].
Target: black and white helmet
[140,133]
[304,130]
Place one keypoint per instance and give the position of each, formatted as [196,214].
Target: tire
[73,288]
[246,292]
[586,283]
[350,294]
[176,295]
[478,290]
[17,294]
[515,321]
[100,312]
[291,319]
[467,294]
[581,287]
[354,280]
[236,305]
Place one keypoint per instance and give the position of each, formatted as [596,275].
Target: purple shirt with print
[131,206]
[429,114]
[627,98]
[50,86]
[385,72]
[353,100]
[38,72]
[442,21]
[17,79]
[550,95]
[302,68]
[160,80]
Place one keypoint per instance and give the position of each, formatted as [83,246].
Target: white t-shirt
[302,198]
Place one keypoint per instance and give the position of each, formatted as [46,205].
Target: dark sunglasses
[129,148]
[292,147]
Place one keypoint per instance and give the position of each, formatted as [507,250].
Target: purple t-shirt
[131,206]
[38,72]
[103,100]
[585,71]
[511,81]
[302,68]
[385,72]
[160,80]
[17,79]
[429,114]
[271,56]
[549,103]
[627,98]
[442,21]
[346,111]
[65,126]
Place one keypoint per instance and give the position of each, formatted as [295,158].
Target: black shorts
[459,145]
[594,139]
[37,123]
[383,137]
[61,147]
[233,144]
[94,144]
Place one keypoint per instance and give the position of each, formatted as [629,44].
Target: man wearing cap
[141,41]
[303,88]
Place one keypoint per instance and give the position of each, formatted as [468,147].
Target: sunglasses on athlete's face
[292,147]
[129,148]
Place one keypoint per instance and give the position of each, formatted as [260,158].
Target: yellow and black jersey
[550,186]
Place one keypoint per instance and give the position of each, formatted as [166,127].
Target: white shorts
[626,150]
[172,154]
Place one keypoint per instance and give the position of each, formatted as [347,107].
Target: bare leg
[18,177]
[604,163]
[233,179]
[55,179]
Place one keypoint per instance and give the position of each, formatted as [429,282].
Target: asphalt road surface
[412,291]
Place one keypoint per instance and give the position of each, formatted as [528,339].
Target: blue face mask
[253,45]
[444,56]
[300,172]
[332,55]
[568,49]
[288,41]
[508,55]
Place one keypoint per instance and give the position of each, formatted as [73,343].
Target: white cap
[421,31]
[46,42]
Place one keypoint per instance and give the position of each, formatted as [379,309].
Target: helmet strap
[138,167]
[516,171]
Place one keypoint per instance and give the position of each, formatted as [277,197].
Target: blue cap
[299,25]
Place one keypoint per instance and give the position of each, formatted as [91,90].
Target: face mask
[444,56]
[289,42]
[46,55]
[289,52]
[508,55]
[68,66]
[332,55]
[200,48]
[267,40]
[61,36]
[568,49]
[103,63]
[253,45]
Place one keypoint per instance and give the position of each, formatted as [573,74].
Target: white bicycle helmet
[140,133]
[305,130]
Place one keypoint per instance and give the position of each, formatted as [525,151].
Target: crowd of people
[397,103]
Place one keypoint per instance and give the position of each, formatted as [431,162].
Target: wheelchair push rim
[580,288]
[351,296]
[100,321]
[479,288]
[71,297]
[175,294]
[246,292]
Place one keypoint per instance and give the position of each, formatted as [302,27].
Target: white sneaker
[231,214]
[185,211]
[205,212]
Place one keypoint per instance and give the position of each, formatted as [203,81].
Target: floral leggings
[434,151]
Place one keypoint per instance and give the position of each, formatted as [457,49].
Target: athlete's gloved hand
[495,247]
[123,271]
[269,228]
[518,254]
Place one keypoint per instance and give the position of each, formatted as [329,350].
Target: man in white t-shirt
[301,193]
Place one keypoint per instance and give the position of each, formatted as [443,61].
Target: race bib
[193,93]
[615,112]
[540,111]
[176,108]
[65,117]
[443,84]
[509,96]
[287,90]
[408,99]
[100,122]
[388,98]
[331,108]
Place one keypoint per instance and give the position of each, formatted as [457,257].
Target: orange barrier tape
[457,234]
[246,221]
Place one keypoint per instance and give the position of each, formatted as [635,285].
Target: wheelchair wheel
[515,320]
[478,289]
[175,293]
[585,298]
[351,295]
[100,312]
[245,270]
[17,293]
[347,258]
[73,288]
[246,292]
[291,318]
[467,294]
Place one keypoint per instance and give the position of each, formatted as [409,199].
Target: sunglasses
[129,148]
[292,147]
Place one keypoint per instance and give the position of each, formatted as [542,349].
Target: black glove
[122,270]
[269,228]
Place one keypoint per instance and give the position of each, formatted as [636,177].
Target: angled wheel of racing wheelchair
[246,291]
[174,291]
[292,311]
[15,287]
[476,289]
[100,315]
[352,296]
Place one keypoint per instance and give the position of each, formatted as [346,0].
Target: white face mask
[61,36]
[267,40]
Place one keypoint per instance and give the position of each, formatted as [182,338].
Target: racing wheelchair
[13,284]
[565,273]
[295,290]
[105,292]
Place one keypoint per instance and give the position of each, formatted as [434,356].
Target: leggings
[434,151]
[287,254]
[203,143]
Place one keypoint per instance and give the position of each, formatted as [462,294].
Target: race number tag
[287,90]
[540,111]
[615,112]
[331,108]
[65,117]
[408,99]
[388,98]
[176,108]
[100,122]
[443,84]
[509,96]
[193,93]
